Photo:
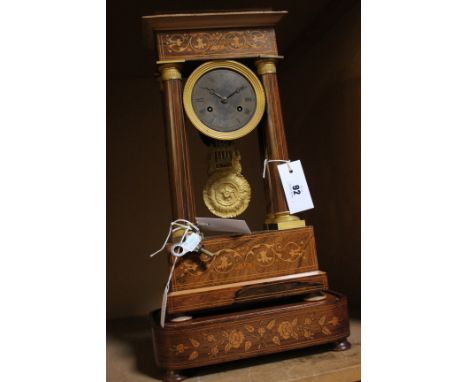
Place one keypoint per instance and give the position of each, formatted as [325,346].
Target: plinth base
[219,338]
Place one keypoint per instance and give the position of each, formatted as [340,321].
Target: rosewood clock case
[261,293]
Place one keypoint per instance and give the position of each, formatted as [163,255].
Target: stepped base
[222,337]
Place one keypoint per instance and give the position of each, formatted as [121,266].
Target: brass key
[203,250]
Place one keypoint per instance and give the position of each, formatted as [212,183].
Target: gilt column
[178,159]
[278,216]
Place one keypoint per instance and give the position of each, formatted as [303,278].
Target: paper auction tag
[232,226]
[295,187]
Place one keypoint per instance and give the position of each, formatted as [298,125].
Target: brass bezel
[249,75]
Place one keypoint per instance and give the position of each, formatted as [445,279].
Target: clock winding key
[205,251]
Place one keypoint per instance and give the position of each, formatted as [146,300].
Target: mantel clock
[260,293]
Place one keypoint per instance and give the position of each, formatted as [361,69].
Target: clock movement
[245,295]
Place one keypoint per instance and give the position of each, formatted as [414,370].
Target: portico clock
[224,99]
[267,282]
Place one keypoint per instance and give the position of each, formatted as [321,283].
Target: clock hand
[236,91]
[212,92]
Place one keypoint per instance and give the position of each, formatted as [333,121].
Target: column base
[283,220]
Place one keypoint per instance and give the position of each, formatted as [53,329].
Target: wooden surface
[275,141]
[264,265]
[219,338]
[193,300]
[207,20]
[216,44]
[130,359]
[178,158]
[248,257]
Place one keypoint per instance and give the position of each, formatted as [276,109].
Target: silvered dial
[224,100]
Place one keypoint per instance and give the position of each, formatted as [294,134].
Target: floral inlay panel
[202,43]
[247,259]
[258,335]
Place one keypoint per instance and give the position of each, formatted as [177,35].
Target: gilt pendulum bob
[227,193]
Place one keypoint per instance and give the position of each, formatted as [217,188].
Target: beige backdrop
[320,85]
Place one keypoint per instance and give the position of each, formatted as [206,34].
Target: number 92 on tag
[295,187]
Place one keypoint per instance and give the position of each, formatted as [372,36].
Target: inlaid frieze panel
[209,44]
[247,257]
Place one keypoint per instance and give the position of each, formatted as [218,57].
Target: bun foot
[173,376]
[341,345]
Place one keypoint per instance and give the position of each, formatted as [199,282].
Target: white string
[165,293]
[179,224]
[266,168]
[187,226]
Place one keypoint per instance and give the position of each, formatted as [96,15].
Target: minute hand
[235,91]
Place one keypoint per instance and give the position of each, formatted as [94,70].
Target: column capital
[266,65]
[170,70]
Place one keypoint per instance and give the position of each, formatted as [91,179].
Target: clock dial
[224,100]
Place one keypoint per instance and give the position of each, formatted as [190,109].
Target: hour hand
[212,92]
